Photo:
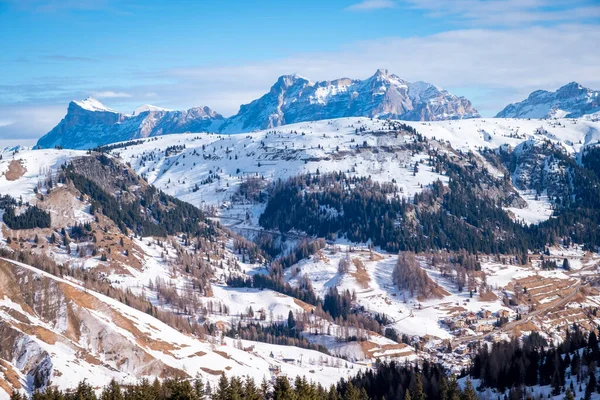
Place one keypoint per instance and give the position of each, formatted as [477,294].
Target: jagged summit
[570,101]
[292,98]
[383,95]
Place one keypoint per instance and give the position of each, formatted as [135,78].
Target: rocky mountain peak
[571,89]
[292,98]
[569,101]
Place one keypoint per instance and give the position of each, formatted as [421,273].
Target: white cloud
[29,122]
[110,95]
[491,67]
[507,65]
[507,12]
[366,5]
[58,5]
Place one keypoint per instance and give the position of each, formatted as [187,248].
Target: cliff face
[90,124]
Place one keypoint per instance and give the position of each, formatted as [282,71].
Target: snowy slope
[208,171]
[35,167]
[124,343]
[147,108]
[210,168]
[92,104]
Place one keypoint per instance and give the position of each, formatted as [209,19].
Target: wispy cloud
[67,58]
[118,7]
[508,64]
[492,67]
[500,13]
[56,5]
[109,94]
[367,5]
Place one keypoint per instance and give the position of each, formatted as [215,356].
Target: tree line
[391,381]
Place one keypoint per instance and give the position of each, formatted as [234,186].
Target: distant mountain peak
[286,81]
[381,73]
[89,123]
[292,98]
[569,101]
[92,104]
[148,108]
[383,95]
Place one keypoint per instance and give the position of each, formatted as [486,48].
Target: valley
[205,280]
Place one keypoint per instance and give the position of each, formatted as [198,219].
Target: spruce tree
[569,395]
[591,387]
[333,394]
[112,392]
[222,389]
[199,386]
[469,392]
[251,392]
[291,321]
[265,389]
[282,389]
[417,392]
[236,388]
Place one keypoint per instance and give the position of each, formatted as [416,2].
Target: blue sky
[179,54]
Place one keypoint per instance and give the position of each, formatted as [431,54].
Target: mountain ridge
[89,123]
[569,101]
[292,98]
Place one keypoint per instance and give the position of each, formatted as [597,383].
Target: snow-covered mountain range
[291,99]
[296,99]
[570,101]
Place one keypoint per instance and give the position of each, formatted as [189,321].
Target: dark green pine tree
[291,320]
[222,389]
[417,392]
[282,389]
[236,388]
[112,392]
[179,390]
[556,388]
[469,392]
[251,392]
[199,387]
[303,389]
[353,393]
[333,394]
[591,387]
[265,389]
[84,391]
